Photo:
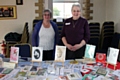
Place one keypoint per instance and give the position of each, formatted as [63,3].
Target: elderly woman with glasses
[45,35]
[75,33]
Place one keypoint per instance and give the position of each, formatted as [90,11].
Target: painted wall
[99,11]
[25,13]
[113,13]
[102,10]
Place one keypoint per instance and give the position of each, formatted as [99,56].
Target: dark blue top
[76,30]
[35,34]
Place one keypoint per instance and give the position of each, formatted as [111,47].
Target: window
[62,8]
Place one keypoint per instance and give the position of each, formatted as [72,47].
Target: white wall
[102,10]
[113,13]
[25,13]
[99,11]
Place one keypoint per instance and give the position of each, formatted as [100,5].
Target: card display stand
[114,65]
[74,62]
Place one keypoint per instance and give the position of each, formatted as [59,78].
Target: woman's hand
[76,47]
[70,47]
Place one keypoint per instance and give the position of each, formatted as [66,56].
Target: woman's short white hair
[48,10]
[77,5]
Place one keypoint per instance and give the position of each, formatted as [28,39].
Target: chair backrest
[25,34]
[24,49]
[94,33]
[34,22]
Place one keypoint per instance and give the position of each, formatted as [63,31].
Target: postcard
[51,69]
[34,68]
[39,78]
[89,51]
[112,55]
[31,74]
[61,70]
[67,71]
[85,71]
[37,54]
[73,76]
[1,69]
[60,53]
[116,72]
[78,67]
[88,67]
[9,65]
[14,72]
[101,71]
[21,74]
[42,71]
[114,77]
[26,68]
[63,78]
[14,54]
[7,71]
[88,77]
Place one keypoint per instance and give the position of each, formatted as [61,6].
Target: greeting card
[101,57]
[34,68]
[73,76]
[37,54]
[88,77]
[60,53]
[41,71]
[14,54]
[89,51]
[7,71]
[31,74]
[85,71]
[21,74]
[1,69]
[101,71]
[9,65]
[112,55]
[63,78]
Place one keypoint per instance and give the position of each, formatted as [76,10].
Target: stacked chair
[107,33]
[25,50]
[115,43]
[24,39]
[94,34]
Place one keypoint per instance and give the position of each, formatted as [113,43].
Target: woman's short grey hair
[48,10]
[77,5]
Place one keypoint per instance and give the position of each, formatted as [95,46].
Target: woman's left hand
[76,47]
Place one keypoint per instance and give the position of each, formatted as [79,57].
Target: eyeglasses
[76,11]
[46,14]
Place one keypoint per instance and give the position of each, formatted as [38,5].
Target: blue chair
[24,50]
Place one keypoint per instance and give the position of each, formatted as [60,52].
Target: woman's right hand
[70,47]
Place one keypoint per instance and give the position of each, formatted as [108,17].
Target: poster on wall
[8,12]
